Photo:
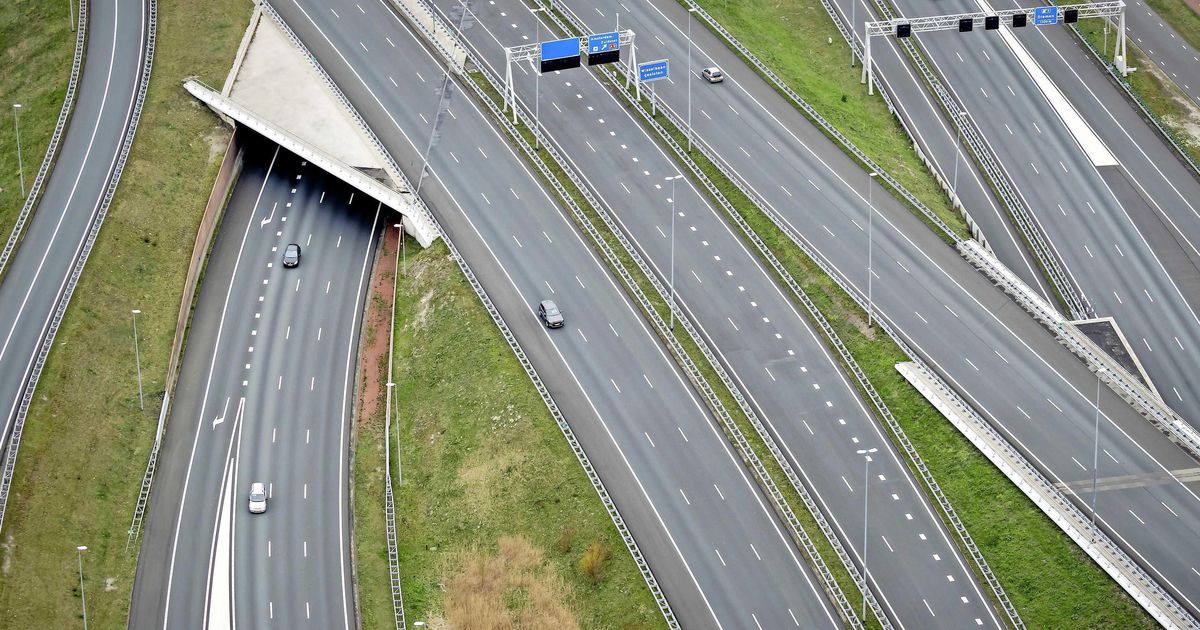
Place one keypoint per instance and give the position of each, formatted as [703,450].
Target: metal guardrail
[1030,228]
[691,369]
[1166,131]
[509,337]
[1118,378]
[52,148]
[727,381]
[825,126]
[389,513]
[989,441]
[848,359]
[14,442]
[1054,503]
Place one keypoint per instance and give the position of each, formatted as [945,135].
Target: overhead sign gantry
[992,20]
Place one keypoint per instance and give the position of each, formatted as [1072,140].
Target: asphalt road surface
[719,553]
[1010,369]
[1165,47]
[265,395]
[1114,201]
[795,385]
[36,280]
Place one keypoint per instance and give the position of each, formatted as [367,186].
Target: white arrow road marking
[268,219]
[221,418]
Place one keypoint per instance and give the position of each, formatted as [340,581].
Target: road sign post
[648,73]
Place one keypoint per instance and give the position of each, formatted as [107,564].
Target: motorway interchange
[250,519]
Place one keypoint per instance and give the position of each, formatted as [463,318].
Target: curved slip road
[38,278]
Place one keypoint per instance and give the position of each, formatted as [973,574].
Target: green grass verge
[693,352]
[483,461]
[792,38]
[1181,17]
[36,49]
[1174,108]
[1050,580]
[86,443]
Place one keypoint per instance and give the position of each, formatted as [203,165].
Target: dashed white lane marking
[649,440]
[684,495]
[720,558]
[685,438]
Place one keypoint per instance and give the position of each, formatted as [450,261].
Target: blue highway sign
[603,42]
[1044,16]
[653,70]
[560,48]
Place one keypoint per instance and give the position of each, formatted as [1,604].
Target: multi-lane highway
[720,554]
[1164,46]
[1010,369]
[777,359]
[40,276]
[265,395]
[1114,202]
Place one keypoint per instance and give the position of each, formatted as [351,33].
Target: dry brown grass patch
[512,588]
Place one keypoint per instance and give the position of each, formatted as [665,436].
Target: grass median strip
[86,443]
[1166,100]
[693,352]
[38,46]
[799,42]
[1049,579]
[497,522]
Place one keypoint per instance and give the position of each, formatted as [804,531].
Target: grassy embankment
[495,515]
[691,349]
[1051,581]
[86,443]
[36,47]
[791,37]
[1173,107]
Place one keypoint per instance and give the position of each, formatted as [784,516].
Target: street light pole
[82,598]
[138,358]
[17,126]
[689,77]
[957,158]
[537,84]
[672,305]
[1096,453]
[853,7]
[870,242]
[866,453]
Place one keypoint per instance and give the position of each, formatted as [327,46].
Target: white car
[712,75]
[258,498]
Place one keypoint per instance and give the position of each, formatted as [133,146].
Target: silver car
[258,498]
[712,75]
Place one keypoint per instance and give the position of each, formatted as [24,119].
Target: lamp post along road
[1096,453]
[870,242]
[138,359]
[537,76]
[17,127]
[82,598]
[866,452]
[689,78]
[672,283]
[957,159]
